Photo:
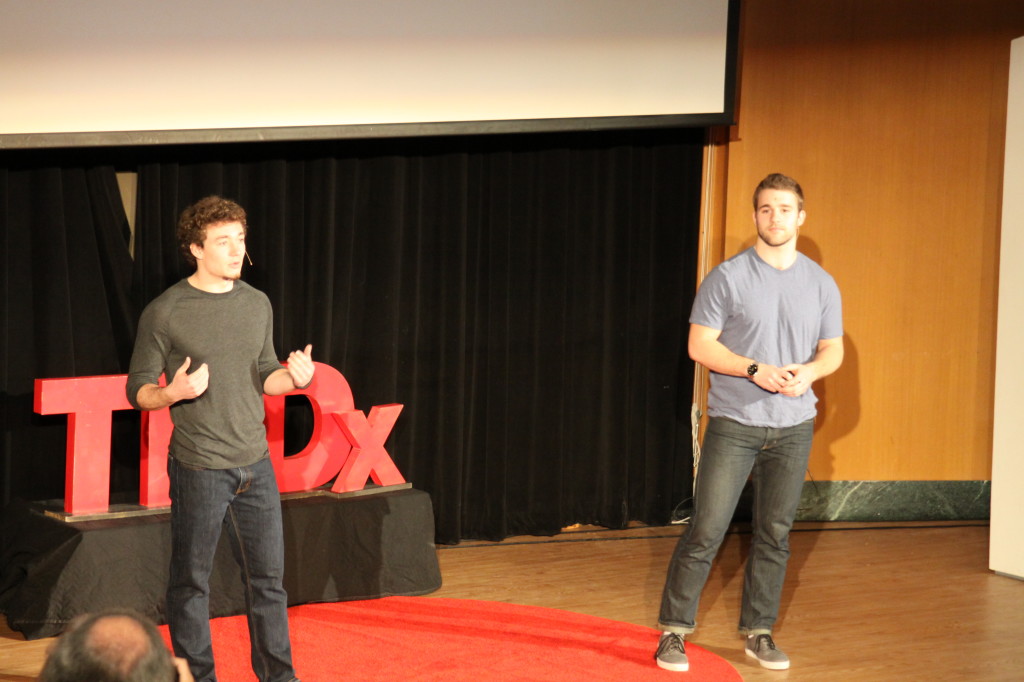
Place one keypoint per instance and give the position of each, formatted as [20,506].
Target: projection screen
[131,72]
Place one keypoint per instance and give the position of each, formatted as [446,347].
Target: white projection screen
[130,72]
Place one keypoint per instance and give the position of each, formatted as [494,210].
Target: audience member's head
[111,646]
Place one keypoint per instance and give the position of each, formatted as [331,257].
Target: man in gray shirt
[211,336]
[767,323]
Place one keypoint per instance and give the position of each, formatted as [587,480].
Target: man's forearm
[828,358]
[153,397]
[717,358]
[705,348]
[279,383]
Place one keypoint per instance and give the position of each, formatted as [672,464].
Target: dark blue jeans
[246,503]
[775,461]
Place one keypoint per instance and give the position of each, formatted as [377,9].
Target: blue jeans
[775,460]
[246,503]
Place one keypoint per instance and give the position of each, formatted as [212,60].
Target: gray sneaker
[671,654]
[762,647]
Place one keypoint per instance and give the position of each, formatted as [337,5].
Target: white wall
[1006,547]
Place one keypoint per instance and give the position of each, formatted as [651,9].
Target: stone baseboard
[894,501]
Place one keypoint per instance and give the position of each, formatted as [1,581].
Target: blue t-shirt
[776,317]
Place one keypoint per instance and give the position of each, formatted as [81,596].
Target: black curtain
[66,310]
[525,298]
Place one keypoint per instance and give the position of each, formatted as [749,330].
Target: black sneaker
[671,654]
[762,647]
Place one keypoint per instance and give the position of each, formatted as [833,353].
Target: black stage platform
[337,548]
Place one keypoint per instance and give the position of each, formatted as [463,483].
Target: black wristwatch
[752,369]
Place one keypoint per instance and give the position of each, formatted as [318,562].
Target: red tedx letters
[344,443]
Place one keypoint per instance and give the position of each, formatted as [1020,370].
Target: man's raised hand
[301,367]
[185,386]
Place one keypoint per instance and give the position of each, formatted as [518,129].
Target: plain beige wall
[1006,551]
[892,117]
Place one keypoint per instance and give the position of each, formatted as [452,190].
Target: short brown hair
[196,218]
[780,182]
[118,644]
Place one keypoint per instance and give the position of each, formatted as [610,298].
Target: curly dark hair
[196,218]
[781,182]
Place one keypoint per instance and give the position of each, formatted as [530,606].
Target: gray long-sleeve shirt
[232,333]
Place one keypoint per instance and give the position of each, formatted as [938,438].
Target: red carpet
[424,638]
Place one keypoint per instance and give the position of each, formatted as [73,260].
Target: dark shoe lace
[670,643]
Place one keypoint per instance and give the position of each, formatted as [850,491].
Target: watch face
[752,369]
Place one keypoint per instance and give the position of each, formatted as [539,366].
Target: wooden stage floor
[862,603]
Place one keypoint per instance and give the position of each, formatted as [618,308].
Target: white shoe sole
[770,665]
[674,667]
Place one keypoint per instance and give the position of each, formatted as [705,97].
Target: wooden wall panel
[892,117]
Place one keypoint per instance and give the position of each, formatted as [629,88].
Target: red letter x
[368,456]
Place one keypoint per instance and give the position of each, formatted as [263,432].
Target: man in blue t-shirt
[767,324]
